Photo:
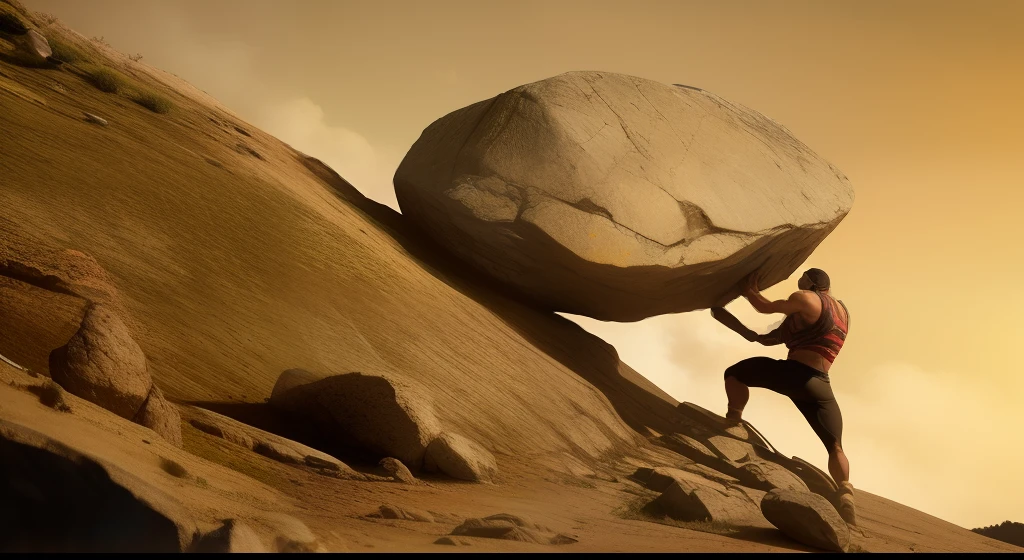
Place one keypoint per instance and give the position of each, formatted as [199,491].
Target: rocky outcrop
[103,364]
[384,414]
[688,500]
[290,534]
[618,197]
[35,46]
[806,518]
[388,511]
[510,527]
[265,443]
[159,415]
[232,536]
[660,478]
[461,458]
[398,470]
[76,506]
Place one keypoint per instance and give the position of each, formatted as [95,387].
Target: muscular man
[814,331]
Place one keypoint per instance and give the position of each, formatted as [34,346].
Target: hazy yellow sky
[920,103]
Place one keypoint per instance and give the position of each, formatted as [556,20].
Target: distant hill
[1007,531]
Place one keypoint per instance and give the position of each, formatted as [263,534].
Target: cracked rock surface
[618,197]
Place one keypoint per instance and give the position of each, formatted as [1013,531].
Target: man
[814,331]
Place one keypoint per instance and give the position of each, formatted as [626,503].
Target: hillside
[236,258]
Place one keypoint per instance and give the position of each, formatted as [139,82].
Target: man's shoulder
[804,295]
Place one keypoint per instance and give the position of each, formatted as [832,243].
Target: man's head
[814,279]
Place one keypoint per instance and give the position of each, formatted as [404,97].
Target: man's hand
[751,290]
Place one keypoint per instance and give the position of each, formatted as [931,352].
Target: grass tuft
[152,101]
[67,52]
[111,81]
[107,79]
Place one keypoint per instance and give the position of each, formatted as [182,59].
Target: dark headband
[818,277]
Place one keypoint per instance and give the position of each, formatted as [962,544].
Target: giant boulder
[618,197]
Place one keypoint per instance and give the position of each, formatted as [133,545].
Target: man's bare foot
[734,415]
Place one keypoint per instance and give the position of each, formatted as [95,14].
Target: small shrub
[152,101]
[66,52]
[107,79]
[135,57]
[10,22]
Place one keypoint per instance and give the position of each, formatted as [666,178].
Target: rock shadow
[640,403]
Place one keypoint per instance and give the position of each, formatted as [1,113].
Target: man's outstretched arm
[774,338]
[730,320]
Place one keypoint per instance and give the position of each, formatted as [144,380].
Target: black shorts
[808,388]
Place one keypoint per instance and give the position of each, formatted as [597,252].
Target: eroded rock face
[618,197]
[807,518]
[385,414]
[103,364]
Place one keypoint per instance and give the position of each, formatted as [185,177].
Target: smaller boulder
[386,414]
[660,478]
[511,528]
[37,47]
[397,470]
[688,447]
[453,541]
[807,518]
[291,535]
[388,511]
[461,458]
[689,501]
[232,536]
[103,364]
[50,394]
[160,416]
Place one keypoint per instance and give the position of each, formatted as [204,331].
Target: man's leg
[738,395]
[826,419]
[752,372]
[838,464]
[839,468]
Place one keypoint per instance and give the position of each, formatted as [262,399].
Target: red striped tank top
[825,337]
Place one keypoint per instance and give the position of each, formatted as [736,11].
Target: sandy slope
[240,258]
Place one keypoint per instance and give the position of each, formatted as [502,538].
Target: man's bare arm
[796,303]
[773,338]
[730,320]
